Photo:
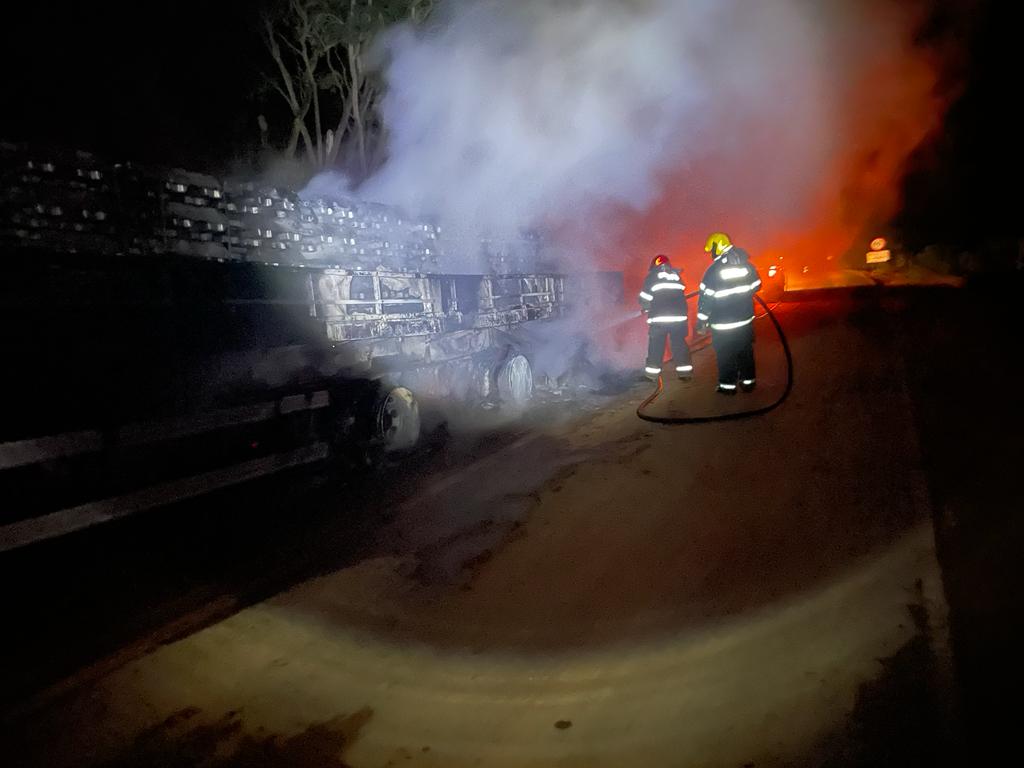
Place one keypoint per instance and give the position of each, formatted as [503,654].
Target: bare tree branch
[318,48]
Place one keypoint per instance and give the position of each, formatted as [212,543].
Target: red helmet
[658,260]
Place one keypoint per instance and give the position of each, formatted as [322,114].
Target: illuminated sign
[878,257]
[878,244]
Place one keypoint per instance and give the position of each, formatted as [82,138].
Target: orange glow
[801,178]
[806,193]
[878,244]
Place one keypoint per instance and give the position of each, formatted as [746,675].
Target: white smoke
[509,115]
[512,110]
[632,127]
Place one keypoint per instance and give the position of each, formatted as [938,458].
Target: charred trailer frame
[145,382]
[168,334]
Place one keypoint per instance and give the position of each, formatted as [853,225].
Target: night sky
[165,81]
[968,186]
[174,82]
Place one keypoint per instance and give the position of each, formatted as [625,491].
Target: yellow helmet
[716,243]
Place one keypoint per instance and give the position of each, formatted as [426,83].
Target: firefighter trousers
[675,333]
[734,350]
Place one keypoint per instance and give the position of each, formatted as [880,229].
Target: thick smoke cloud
[630,126]
[512,110]
[624,128]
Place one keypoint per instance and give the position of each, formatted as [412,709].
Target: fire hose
[760,411]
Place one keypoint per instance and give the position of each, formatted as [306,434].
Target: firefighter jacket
[727,291]
[663,296]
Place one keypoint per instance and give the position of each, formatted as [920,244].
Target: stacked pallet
[76,202]
[53,199]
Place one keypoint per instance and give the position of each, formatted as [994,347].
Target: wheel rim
[398,420]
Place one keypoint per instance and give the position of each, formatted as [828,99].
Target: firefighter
[726,304]
[663,300]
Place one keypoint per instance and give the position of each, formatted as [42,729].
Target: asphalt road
[831,584]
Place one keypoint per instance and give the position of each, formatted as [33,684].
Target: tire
[397,421]
[515,381]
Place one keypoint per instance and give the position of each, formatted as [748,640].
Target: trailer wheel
[515,381]
[398,420]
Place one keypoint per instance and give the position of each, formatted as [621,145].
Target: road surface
[816,279]
[585,590]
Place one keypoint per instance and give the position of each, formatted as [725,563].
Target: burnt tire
[397,420]
[515,381]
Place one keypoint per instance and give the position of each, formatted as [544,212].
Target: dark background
[178,83]
[153,81]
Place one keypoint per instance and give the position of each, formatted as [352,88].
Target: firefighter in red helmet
[663,300]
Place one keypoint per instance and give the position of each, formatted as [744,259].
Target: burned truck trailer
[449,338]
[167,334]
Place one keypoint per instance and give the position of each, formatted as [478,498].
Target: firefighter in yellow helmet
[726,305]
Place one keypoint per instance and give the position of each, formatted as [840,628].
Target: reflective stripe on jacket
[727,291]
[663,296]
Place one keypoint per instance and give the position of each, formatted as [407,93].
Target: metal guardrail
[64,521]
[20,454]
[52,447]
